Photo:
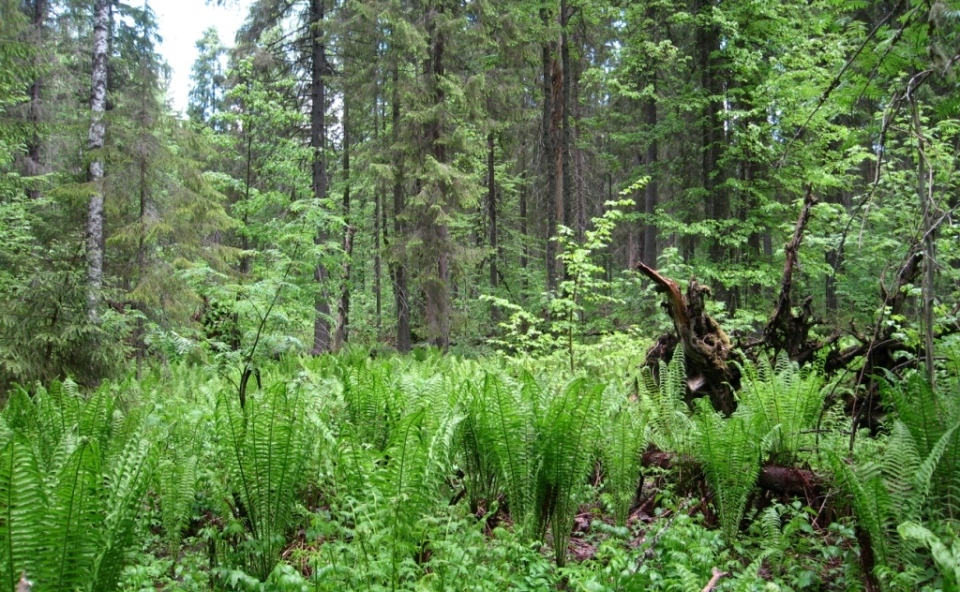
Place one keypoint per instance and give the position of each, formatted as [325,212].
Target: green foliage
[669,419]
[500,434]
[785,403]
[730,454]
[946,554]
[267,446]
[929,415]
[621,449]
[566,438]
[884,494]
[73,478]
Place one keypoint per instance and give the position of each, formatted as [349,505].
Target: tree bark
[318,137]
[95,139]
[552,163]
[524,253]
[775,478]
[398,269]
[343,306]
[566,137]
[436,287]
[649,255]
[492,212]
[33,165]
[708,353]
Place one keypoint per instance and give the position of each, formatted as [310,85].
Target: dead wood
[789,329]
[717,574]
[706,347]
[773,478]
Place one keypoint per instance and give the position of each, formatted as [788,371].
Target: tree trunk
[436,287]
[711,361]
[98,103]
[318,137]
[343,307]
[378,228]
[492,212]
[398,269]
[551,165]
[33,166]
[718,206]
[566,138]
[524,253]
[649,256]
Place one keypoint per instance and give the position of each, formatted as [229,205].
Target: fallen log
[774,478]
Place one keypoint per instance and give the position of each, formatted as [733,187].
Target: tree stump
[707,350]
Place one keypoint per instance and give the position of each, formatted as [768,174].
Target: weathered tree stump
[706,347]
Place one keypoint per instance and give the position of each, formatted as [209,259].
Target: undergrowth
[441,473]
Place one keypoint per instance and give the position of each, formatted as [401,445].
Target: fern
[566,439]
[24,522]
[373,406]
[785,401]
[72,481]
[478,459]
[730,455]
[621,457]
[895,490]
[406,486]
[671,428]
[928,416]
[507,425]
[266,445]
[946,555]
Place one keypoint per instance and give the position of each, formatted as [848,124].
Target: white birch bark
[98,103]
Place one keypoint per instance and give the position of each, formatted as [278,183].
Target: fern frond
[128,473]
[671,426]
[75,519]
[871,502]
[506,426]
[621,457]
[567,437]
[24,521]
[731,462]
[266,445]
[923,477]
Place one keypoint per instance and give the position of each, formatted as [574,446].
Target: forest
[599,295]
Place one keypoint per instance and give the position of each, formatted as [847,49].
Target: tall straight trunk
[343,306]
[398,266]
[524,253]
[578,156]
[98,103]
[718,203]
[492,213]
[548,128]
[247,185]
[928,206]
[318,140]
[649,256]
[377,225]
[566,137]
[436,287]
[145,122]
[33,166]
